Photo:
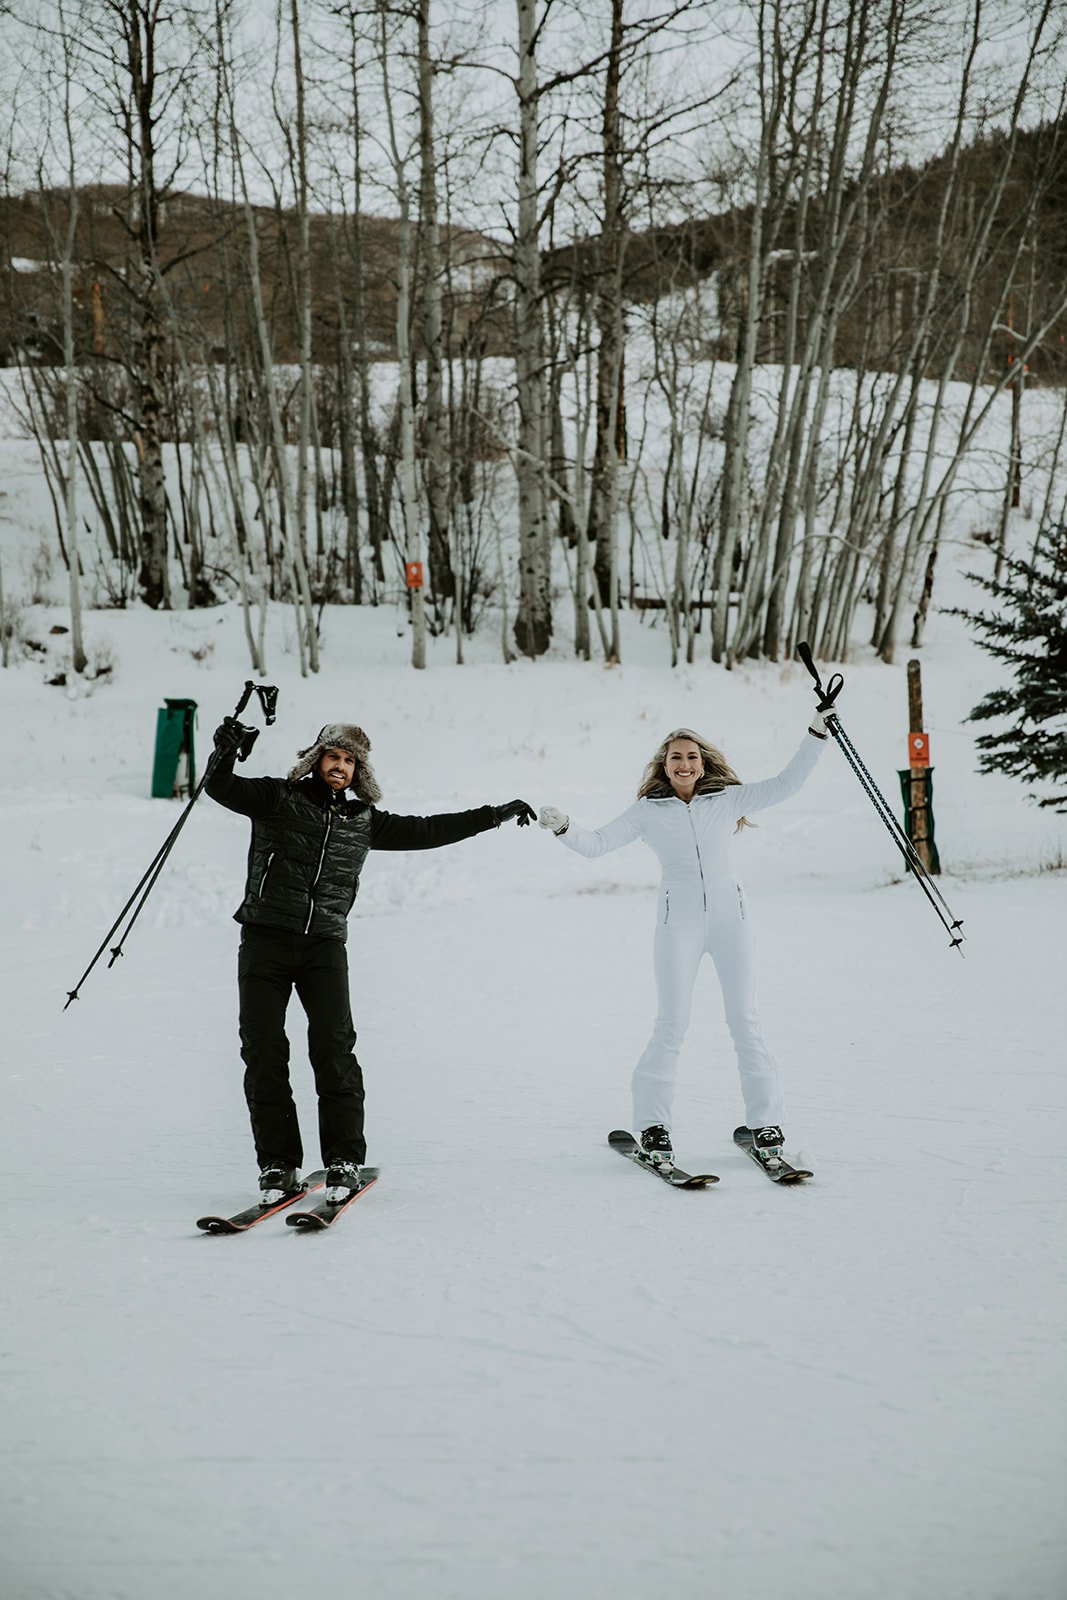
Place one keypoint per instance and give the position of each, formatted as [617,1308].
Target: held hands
[524,814]
[551,818]
[817,725]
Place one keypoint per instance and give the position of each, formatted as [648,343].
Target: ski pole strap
[267,694]
[827,692]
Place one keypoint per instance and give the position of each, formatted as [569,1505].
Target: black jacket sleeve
[389,832]
[252,797]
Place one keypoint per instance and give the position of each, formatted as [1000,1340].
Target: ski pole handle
[268,700]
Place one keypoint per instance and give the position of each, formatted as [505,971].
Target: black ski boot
[341,1178]
[656,1143]
[275,1182]
[767,1143]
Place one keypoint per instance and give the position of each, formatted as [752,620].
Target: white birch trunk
[78,656]
[409,490]
[436,469]
[533,623]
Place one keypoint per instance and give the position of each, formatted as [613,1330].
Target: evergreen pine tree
[1029,634]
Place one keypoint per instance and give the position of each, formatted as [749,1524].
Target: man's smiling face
[337,768]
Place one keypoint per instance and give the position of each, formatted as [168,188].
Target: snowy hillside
[518,1368]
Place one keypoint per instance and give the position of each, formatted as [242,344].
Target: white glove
[818,727]
[551,818]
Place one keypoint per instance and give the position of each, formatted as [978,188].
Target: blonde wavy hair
[718,773]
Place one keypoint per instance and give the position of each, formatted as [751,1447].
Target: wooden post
[918,761]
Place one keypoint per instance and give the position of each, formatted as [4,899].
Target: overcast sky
[710,56]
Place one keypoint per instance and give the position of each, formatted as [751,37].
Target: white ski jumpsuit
[701,908]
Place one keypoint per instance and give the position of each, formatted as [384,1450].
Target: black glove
[518,809]
[229,736]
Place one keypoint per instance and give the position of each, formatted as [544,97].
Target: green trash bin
[174,772]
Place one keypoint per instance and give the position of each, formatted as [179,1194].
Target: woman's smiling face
[684,767]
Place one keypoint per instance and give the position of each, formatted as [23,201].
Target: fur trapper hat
[341,736]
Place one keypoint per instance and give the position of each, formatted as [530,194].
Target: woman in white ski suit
[701,909]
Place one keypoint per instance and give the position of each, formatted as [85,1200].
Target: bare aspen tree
[568,336]
[789,180]
[434,419]
[678,336]
[136,30]
[79,660]
[1013,477]
[964,291]
[296,565]
[871,36]
[303,284]
[642,107]
[346,424]
[409,494]
[354,243]
[53,404]
[772,95]
[213,446]
[587,592]
[609,331]
[533,622]
[900,409]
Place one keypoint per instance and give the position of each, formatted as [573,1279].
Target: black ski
[782,1172]
[627,1146]
[325,1214]
[243,1220]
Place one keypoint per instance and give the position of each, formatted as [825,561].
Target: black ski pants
[270,965]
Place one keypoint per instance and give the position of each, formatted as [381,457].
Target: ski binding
[778,1172]
[627,1146]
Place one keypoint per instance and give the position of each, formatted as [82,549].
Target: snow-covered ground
[518,1368]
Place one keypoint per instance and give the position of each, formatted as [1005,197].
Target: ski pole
[268,699]
[827,695]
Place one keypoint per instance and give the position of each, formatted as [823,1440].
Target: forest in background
[703,309]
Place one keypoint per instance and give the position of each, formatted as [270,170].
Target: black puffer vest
[304,864]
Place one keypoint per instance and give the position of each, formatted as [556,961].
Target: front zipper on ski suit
[318,872]
[696,847]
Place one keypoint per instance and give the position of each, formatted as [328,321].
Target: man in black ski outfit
[310,838]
